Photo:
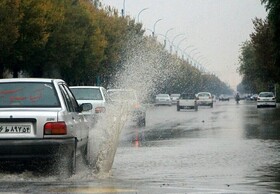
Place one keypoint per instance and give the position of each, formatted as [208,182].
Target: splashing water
[142,70]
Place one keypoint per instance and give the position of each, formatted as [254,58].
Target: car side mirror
[85,107]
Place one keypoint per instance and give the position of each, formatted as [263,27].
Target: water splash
[145,67]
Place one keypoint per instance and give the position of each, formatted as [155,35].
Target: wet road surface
[230,148]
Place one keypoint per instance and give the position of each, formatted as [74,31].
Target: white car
[204,99]
[163,99]
[174,98]
[96,95]
[40,120]
[187,101]
[266,99]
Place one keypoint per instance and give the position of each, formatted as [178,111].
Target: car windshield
[28,94]
[203,94]
[266,94]
[175,95]
[87,93]
[187,96]
[163,95]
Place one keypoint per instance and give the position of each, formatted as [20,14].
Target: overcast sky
[213,30]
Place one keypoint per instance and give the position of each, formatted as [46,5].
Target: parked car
[40,120]
[266,99]
[96,95]
[204,99]
[174,98]
[223,98]
[187,101]
[163,99]
[129,96]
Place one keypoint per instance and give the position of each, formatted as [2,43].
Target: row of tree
[260,56]
[86,43]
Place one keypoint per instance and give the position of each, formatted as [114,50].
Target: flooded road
[230,148]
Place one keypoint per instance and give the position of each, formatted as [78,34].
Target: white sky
[215,28]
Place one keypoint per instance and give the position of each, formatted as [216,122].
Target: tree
[273,6]
[9,31]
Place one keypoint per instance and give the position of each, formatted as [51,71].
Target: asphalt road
[230,148]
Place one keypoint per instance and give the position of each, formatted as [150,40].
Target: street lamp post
[185,50]
[178,45]
[173,41]
[154,29]
[123,9]
[140,13]
[166,35]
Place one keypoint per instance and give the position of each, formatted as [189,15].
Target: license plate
[15,128]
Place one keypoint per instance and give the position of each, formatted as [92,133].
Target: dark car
[223,98]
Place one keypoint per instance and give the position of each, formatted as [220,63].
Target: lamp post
[179,44]
[185,51]
[166,35]
[123,9]
[154,29]
[173,41]
[140,13]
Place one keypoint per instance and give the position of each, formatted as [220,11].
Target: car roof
[6,80]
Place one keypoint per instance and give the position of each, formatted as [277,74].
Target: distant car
[96,95]
[129,96]
[254,97]
[266,99]
[163,99]
[223,98]
[187,101]
[40,120]
[174,98]
[204,99]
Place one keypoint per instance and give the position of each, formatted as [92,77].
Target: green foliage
[257,59]
[273,8]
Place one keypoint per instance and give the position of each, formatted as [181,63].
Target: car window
[163,95]
[266,94]
[187,96]
[203,95]
[70,101]
[87,93]
[28,94]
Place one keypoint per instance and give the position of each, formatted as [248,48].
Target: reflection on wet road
[226,149]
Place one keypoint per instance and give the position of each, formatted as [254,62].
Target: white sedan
[163,99]
[204,99]
[266,99]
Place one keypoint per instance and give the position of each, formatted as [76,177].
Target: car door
[74,117]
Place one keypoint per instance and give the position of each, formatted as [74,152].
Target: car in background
[174,98]
[204,99]
[223,98]
[96,95]
[187,101]
[163,99]
[40,120]
[266,99]
[254,97]
[129,96]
